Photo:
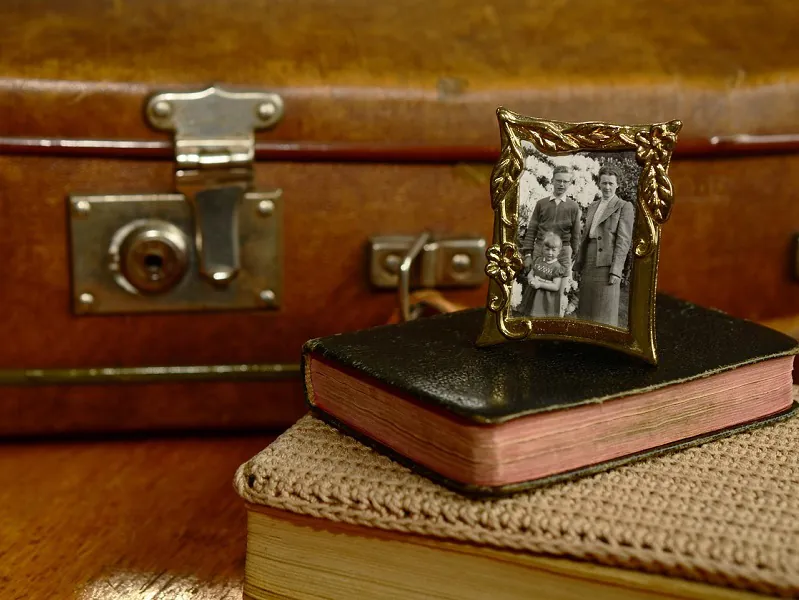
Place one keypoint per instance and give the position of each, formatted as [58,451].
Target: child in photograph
[556,213]
[541,298]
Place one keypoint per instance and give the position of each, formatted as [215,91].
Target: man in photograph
[557,214]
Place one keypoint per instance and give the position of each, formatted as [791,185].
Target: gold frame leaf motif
[653,146]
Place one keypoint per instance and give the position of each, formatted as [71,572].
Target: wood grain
[123,519]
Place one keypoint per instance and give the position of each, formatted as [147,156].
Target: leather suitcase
[276,206]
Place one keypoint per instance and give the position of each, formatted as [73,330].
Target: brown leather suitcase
[370,120]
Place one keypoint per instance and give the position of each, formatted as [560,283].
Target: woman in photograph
[604,244]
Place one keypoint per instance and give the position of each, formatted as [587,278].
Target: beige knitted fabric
[726,512]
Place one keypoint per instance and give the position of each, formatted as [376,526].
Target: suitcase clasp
[214,153]
[212,243]
[425,261]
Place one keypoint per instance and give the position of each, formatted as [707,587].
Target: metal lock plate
[213,245]
[135,254]
[445,262]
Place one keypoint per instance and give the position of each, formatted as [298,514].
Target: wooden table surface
[135,519]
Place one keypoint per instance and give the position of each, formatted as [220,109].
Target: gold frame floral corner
[653,145]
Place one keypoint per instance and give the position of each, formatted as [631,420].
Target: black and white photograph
[576,216]
[578,209]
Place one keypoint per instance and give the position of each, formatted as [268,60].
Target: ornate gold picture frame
[578,209]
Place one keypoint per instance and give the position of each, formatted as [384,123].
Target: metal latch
[425,261]
[214,152]
[216,244]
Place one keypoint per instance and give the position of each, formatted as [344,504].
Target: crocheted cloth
[725,513]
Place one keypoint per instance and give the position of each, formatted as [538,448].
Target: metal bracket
[424,261]
[215,245]
[214,152]
[132,254]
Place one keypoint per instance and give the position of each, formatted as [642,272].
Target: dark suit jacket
[567,225]
[613,235]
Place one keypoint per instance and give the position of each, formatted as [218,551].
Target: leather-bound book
[330,518]
[522,414]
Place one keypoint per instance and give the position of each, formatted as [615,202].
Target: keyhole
[154,264]
[152,257]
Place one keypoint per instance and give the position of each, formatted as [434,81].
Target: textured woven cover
[725,513]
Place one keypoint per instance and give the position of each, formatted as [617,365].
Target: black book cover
[435,362]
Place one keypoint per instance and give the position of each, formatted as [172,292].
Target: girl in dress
[545,278]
